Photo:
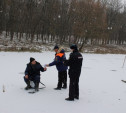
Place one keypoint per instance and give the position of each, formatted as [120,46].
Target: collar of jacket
[60,54]
[76,50]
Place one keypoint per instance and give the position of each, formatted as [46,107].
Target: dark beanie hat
[73,46]
[56,47]
[31,59]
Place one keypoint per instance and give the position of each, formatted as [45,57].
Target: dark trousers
[35,79]
[62,79]
[74,85]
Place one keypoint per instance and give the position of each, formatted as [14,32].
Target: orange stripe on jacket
[60,54]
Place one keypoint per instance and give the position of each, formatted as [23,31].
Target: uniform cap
[56,47]
[31,59]
[73,46]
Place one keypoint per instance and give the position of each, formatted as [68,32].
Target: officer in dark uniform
[75,64]
[32,73]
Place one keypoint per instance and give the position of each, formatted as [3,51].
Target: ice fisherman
[32,73]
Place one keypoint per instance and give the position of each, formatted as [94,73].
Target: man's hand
[47,65]
[26,76]
[45,69]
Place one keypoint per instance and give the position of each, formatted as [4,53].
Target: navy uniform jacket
[74,62]
[58,61]
[33,70]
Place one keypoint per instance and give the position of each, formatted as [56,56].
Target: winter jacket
[33,70]
[74,62]
[58,61]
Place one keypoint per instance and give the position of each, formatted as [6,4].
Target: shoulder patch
[80,57]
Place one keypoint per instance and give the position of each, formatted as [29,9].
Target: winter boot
[69,99]
[28,86]
[37,86]
[57,88]
[76,97]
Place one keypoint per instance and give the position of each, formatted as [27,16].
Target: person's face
[33,62]
[72,50]
[55,50]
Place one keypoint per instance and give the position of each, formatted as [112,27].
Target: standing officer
[75,64]
[62,69]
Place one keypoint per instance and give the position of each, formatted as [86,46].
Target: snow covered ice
[101,89]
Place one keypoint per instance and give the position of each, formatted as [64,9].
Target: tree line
[93,22]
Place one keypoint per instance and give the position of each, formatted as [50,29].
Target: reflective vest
[60,54]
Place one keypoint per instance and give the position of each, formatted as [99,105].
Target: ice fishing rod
[42,84]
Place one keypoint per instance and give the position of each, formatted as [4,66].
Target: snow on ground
[101,89]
